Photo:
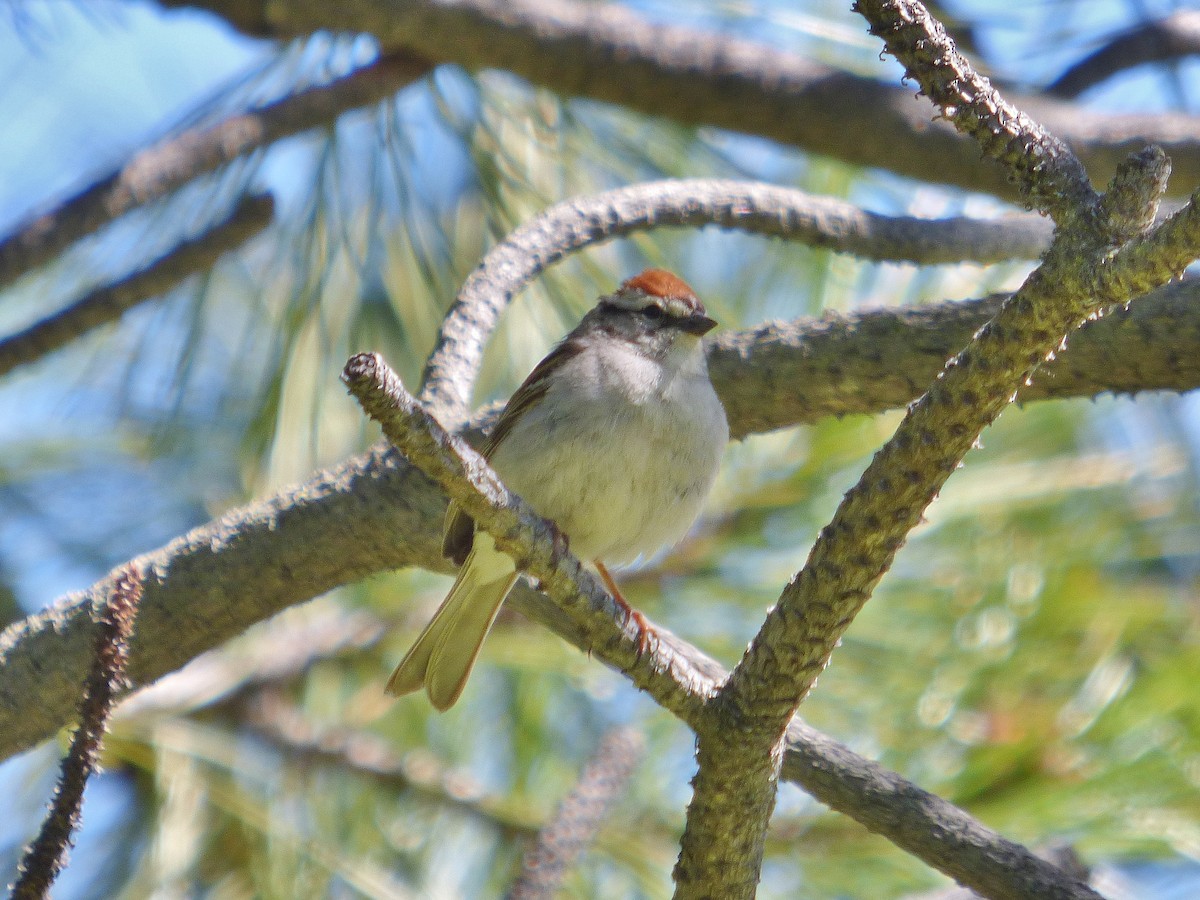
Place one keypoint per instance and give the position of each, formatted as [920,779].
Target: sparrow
[616,436]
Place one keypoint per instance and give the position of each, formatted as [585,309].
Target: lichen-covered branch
[1046,172]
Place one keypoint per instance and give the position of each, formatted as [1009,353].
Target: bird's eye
[653,311]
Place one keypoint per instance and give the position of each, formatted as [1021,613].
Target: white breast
[621,452]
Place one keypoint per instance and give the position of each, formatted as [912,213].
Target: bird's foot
[645,631]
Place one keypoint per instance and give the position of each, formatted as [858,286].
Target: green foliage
[1031,657]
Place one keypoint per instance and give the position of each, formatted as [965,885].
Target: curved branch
[170,164]
[107,304]
[1160,40]
[746,206]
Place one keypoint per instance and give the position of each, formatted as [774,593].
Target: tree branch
[1159,40]
[665,669]
[47,855]
[937,832]
[739,745]
[611,53]
[107,304]
[747,206]
[782,373]
[1048,175]
[563,839]
[170,164]
[374,512]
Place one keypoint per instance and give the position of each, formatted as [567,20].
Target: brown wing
[459,532]
[532,389]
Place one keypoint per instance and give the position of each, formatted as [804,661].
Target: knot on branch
[1130,203]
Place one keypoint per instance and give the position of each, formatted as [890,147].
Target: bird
[616,436]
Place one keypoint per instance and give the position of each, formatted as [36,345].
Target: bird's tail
[442,657]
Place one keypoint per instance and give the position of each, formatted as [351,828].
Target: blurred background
[1052,591]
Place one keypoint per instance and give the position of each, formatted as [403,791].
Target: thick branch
[610,53]
[158,170]
[738,747]
[747,206]
[782,373]
[664,670]
[107,304]
[871,524]
[375,512]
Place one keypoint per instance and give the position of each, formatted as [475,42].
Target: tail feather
[458,646]
[442,657]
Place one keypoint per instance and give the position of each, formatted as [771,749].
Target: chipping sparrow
[616,435]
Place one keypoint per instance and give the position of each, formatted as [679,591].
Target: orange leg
[644,628]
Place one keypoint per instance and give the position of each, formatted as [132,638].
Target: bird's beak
[697,324]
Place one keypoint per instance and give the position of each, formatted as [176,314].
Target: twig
[677,676]
[177,160]
[746,206]
[1158,40]
[46,856]
[562,841]
[106,304]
